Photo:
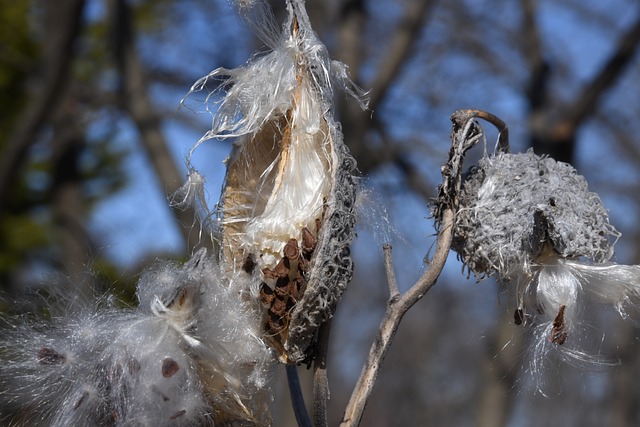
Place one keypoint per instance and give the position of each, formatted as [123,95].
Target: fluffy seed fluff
[533,223]
[186,356]
[289,180]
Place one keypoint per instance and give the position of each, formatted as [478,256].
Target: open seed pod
[288,215]
[287,208]
[515,208]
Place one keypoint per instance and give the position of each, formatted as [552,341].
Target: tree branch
[465,134]
[63,20]
[396,309]
[608,75]
[138,103]
[404,38]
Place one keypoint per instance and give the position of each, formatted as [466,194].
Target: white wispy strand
[192,195]
[609,283]
[567,286]
[187,356]
[264,87]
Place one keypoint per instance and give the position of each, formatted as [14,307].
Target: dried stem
[388,267]
[320,379]
[465,134]
[395,311]
[297,399]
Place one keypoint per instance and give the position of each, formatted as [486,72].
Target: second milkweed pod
[517,208]
[287,208]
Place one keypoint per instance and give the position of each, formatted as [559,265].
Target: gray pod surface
[514,206]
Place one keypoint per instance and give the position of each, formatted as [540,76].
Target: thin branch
[390,322]
[297,399]
[465,134]
[388,268]
[608,75]
[405,37]
[320,379]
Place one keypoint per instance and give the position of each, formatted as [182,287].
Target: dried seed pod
[533,223]
[288,199]
[515,207]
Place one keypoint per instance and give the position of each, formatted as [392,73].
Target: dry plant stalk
[465,134]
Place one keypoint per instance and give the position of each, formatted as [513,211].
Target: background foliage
[92,141]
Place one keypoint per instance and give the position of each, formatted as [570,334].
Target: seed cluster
[117,376]
[288,277]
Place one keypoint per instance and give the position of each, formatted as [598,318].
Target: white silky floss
[533,223]
[290,87]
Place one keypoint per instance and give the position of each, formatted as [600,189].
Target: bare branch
[390,322]
[138,103]
[465,134]
[66,16]
[391,275]
[608,75]
[398,50]
[557,136]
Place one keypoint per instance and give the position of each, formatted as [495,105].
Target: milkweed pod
[287,206]
[516,210]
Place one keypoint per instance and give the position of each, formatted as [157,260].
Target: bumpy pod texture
[533,223]
[287,208]
[513,204]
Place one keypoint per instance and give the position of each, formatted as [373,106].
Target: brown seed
[281,269]
[291,250]
[275,324]
[558,332]
[279,307]
[266,294]
[169,367]
[268,273]
[249,264]
[48,356]
[309,242]
[282,287]
[178,414]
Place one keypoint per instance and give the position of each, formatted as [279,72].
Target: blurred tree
[79,77]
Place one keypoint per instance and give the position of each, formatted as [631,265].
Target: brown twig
[320,379]
[391,320]
[388,268]
[465,134]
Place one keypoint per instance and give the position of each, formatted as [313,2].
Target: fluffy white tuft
[189,355]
